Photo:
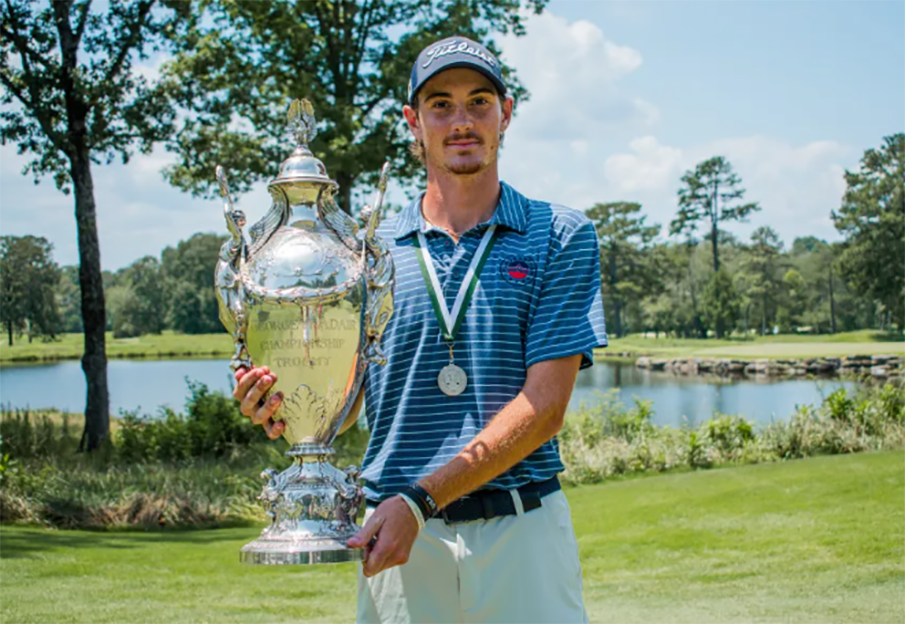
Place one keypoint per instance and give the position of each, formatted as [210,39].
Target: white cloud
[577,111]
[796,186]
[571,71]
[582,138]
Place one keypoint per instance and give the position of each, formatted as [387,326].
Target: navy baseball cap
[454,52]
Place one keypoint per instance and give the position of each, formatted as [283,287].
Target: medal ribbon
[451,321]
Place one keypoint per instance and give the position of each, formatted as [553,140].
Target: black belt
[487,504]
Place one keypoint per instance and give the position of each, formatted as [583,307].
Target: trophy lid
[302,165]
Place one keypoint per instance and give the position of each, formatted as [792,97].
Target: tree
[28,277]
[141,299]
[77,102]
[625,268]
[242,62]
[816,261]
[69,299]
[720,303]
[872,219]
[760,264]
[187,271]
[707,195]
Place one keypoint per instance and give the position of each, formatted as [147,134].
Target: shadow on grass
[19,542]
[887,337]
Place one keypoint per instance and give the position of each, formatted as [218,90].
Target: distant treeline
[663,287]
[683,285]
[174,292]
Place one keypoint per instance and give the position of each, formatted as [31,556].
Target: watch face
[452,380]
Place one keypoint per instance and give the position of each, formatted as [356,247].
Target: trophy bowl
[309,297]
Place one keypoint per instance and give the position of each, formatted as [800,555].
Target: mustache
[463,137]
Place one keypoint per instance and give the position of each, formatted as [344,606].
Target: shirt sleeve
[568,318]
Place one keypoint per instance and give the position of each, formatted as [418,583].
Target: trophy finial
[224,185]
[302,123]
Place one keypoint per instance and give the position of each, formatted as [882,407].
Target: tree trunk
[714,234]
[763,316]
[94,318]
[714,229]
[832,303]
[698,326]
[613,279]
[9,328]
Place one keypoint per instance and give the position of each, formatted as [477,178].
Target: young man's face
[459,120]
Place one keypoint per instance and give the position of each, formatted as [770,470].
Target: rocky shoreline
[879,366]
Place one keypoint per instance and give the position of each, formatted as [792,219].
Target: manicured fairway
[817,540]
[172,345]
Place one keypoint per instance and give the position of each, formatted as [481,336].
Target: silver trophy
[309,296]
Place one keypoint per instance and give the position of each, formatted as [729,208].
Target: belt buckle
[442,513]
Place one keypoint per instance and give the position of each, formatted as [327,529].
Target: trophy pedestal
[313,506]
[288,551]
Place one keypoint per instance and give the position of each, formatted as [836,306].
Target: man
[497,306]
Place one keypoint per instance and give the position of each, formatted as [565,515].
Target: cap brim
[500,87]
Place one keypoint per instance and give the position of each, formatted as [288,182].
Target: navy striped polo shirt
[538,299]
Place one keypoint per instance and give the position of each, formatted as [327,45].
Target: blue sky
[626,96]
[803,70]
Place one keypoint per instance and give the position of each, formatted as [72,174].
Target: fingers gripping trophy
[309,297]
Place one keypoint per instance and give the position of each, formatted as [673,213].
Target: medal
[452,379]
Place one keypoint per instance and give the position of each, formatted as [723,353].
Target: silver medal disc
[452,380]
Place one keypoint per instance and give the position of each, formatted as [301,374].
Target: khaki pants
[520,568]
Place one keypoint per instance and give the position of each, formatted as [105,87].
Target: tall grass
[612,440]
[202,467]
[197,468]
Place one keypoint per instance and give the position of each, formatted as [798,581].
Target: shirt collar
[509,213]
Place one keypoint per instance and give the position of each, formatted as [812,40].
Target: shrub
[611,441]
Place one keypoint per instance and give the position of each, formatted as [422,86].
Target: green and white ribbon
[450,321]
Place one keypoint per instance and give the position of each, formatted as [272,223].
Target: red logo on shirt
[517,270]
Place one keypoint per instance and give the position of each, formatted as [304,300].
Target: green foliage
[80,493]
[29,435]
[240,64]
[211,427]
[729,434]
[710,194]
[872,219]
[69,300]
[200,468]
[720,303]
[70,71]
[71,99]
[758,279]
[627,269]
[612,441]
[188,273]
[142,305]
[28,276]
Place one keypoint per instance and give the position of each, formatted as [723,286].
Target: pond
[145,385]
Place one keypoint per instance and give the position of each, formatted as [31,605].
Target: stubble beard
[473,168]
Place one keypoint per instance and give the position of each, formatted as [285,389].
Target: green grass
[170,344]
[816,540]
[783,346]
[167,344]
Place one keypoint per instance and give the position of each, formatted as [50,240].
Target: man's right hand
[251,386]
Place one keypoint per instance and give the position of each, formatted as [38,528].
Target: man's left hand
[394,525]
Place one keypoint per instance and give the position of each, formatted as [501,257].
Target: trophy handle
[379,274]
[230,296]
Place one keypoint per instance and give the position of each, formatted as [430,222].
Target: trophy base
[285,552]
[313,507]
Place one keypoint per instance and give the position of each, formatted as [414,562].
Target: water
[145,385]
